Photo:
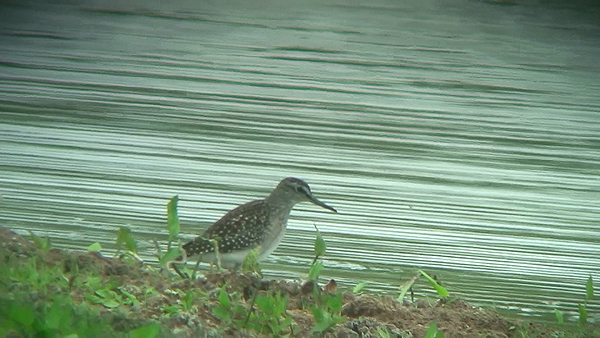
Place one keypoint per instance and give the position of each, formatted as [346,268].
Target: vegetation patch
[46,292]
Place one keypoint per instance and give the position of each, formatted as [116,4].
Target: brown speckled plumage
[240,228]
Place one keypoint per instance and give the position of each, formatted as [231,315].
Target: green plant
[383,332]
[358,288]
[441,291]
[172,253]
[186,302]
[94,247]
[316,266]
[109,295]
[326,311]
[228,309]
[406,286]
[172,219]
[433,332]
[58,316]
[125,239]
[148,331]
[36,301]
[559,316]
[589,295]
[271,316]
[41,243]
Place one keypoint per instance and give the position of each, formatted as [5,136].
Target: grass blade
[441,291]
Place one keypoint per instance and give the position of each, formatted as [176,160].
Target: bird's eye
[301,190]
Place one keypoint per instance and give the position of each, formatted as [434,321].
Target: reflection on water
[459,139]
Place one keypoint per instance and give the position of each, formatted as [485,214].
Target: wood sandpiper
[261,222]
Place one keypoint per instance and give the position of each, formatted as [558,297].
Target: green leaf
[589,288]
[21,314]
[583,314]
[96,247]
[280,304]
[221,313]
[172,218]
[359,287]
[171,309]
[110,303]
[441,291]
[131,297]
[124,238]
[322,319]
[265,304]
[104,293]
[432,332]
[148,331]
[224,298]
[320,246]
[335,303]
[315,271]
[559,316]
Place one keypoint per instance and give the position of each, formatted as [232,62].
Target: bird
[257,223]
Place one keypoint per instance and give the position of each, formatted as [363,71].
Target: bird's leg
[217,255]
[196,267]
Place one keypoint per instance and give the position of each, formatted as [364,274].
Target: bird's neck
[280,202]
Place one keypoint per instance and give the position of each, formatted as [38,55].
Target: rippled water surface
[461,138]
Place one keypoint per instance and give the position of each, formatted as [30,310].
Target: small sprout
[124,238]
[433,332]
[559,316]
[96,247]
[589,288]
[320,246]
[583,314]
[42,243]
[359,287]
[172,219]
[324,320]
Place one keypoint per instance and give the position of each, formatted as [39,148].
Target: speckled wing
[242,228]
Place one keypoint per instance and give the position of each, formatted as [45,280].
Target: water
[460,138]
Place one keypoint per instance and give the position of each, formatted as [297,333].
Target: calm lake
[457,137]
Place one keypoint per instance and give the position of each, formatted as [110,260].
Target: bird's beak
[321,204]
